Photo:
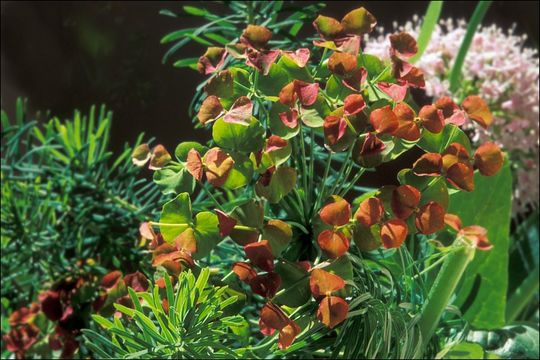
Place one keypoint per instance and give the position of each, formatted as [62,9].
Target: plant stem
[476,18]
[353,181]
[323,180]
[522,296]
[444,286]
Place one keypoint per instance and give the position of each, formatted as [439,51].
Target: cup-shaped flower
[393,233]
[333,243]
[265,285]
[260,255]
[218,165]
[323,283]
[383,120]
[226,223]
[137,281]
[212,60]
[478,110]
[430,218]
[272,319]
[337,212]
[255,36]
[488,158]
[403,45]
[244,271]
[370,212]
[405,199]
[332,311]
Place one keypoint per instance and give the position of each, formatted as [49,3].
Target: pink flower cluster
[505,73]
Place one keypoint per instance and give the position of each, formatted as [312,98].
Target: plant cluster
[70,209]
[499,66]
[293,131]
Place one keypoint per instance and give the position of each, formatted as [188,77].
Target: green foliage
[69,206]
[283,18]
[193,327]
[484,304]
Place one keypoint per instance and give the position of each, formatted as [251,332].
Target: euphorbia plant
[293,131]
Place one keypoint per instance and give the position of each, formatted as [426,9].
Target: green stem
[323,180]
[353,181]
[476,19]
[444,286]
[522,296]
[311,164]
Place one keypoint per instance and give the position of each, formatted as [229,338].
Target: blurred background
[66,55]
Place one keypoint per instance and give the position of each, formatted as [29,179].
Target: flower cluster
[260,110]
[506,73]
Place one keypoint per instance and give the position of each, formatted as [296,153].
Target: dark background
[66,55]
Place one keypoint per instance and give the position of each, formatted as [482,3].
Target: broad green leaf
[373,65]
[295,281]
[282,182]
[241,173]
[238,137]
[428,25]
[489,206]
[465,351]
[182,150]
[175,217]
[206,233]
[294,71]
[174,180]
[272,83]
[279,235]
[437,143]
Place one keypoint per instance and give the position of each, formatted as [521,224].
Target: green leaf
[295,281]
[175,35]
[465,351]
[182,150]
[195,11]
[455,74]
[241,173]
[188,62]
[274,81]
[238,137]
[206,233]
[175,217]
[282,182]
[428,25]
[174,182]
[294,71]
[279,235]
[437,143]
[489,206]
[373,65]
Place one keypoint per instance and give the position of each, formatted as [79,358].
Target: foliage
[70,209]
[285,19]
[187,321]
[325,281]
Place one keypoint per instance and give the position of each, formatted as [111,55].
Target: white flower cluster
[500,69]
